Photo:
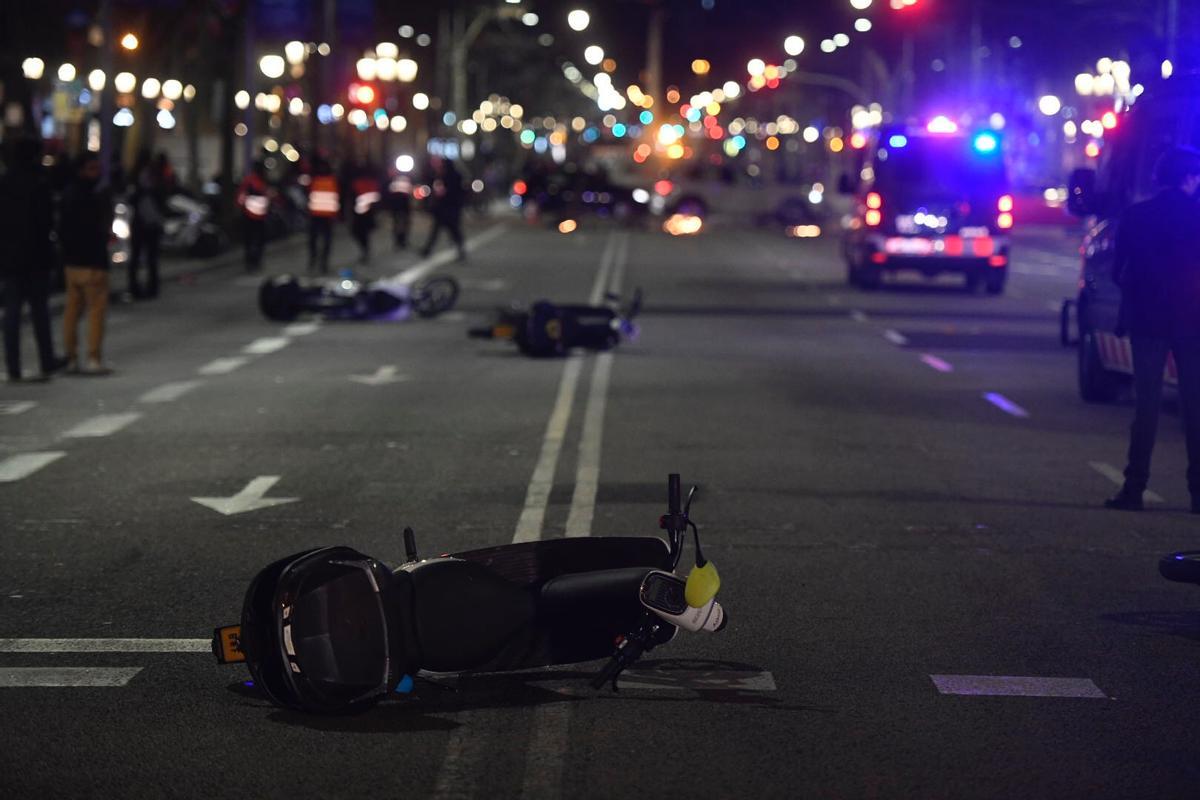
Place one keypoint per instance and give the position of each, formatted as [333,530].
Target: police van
[1165,116]
[930,199]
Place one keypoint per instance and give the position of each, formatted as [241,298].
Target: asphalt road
[901,488]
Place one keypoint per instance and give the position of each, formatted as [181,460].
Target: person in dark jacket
[152,183]
[27,257]
[446,204]
[85,224]
[1157,265]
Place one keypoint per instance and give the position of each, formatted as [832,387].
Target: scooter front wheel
[434,296]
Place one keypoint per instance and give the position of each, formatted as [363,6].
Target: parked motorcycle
[285,297]
[549,329]
[333,630]
[189,227]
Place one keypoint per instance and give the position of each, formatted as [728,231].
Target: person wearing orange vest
[324,206]
[365,195]
[254,198]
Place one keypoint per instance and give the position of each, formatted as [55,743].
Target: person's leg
[97,302]
[455,227]
[312,244]
[247,243]
[153,245]
[1187,363]
[13,300]
[1149,361]
[75,300]
[256,240]
[39,313]
[433,235]
[326,243]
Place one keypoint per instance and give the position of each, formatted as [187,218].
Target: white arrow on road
[382,375]
[248,499]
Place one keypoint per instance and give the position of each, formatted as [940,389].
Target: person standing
[27,256]
[324,206]
[446,205]
[84,227]
[399,202]
[254,198]
[149,213]
[364,196]
[1157,266]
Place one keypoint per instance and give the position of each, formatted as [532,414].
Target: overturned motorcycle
[283,298]
[332,630]
[549,329]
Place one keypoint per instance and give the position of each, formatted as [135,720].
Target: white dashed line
[51,677]
[1004,404]
[268,344]
[936,363]
[101,425]
[895,337]
[105,645]
[169,392]
[22,465]
[1016,686]
[223,366]
[858,316]
[11,408]
[1117,477]
[301,328]
[428,265]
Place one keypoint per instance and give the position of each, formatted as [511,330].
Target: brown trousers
[86,286]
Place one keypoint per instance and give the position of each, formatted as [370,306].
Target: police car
[932,200]
[1166,115]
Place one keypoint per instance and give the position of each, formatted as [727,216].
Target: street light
[172,89]
[150,88]
[862,24]
[129,41]
[793,45]
[578,19]
[95,80]
[366,69]
[125,82]
[294,52]
[860,5]
[420,101]
[33,68]
[594,54]
[272,65]
[1049,105]
[66,73]
[241,99]
[406,70]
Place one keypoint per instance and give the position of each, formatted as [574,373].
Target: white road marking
[301,328]
[537,495]
[587,475]
[428,265]
[895,337]
[1116,476]
[1016,686]
[453,317]
[382,376]
[1004,404]
[102,425]
[936,363]
[169,392]
[223,366]
[248,499]
[105,645]
[267,344]
[10,408]
[858,316]
[52,677]
[22,465]
[544,761]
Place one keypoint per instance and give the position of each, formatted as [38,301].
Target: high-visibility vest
[323,197]
[253,198]
[366,194]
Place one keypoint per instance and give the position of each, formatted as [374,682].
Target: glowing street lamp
[1049,105]
[33,68]
[406,70]
[125,82]
[594,54]
[294,52]
[578,19]
[95,80]
[66,73]
[793,45]
[272,65]
[129,41]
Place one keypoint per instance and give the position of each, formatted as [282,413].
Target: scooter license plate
[227,644]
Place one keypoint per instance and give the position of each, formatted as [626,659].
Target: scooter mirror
[702,585]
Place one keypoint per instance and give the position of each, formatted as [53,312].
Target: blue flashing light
[646,117]
[618,130]
[739,141]
[897,140]
[324,113]
[590,135]
[986,142]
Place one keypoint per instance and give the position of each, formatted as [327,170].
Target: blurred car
[931,200]
[1167,114]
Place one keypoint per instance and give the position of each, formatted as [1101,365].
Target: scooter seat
[465,613]
[1183,566]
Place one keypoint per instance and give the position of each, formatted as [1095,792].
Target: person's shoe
[57,365]
[1125,501]
[95,366]
[72,367]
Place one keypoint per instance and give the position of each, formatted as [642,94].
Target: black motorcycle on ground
[551,329]
[283,298]
[1181,567]
[332,630]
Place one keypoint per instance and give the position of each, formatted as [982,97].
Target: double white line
[587,476]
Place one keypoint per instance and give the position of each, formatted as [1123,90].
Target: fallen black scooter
[333,630]
[283,298]
[548,329]
[1182,567]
